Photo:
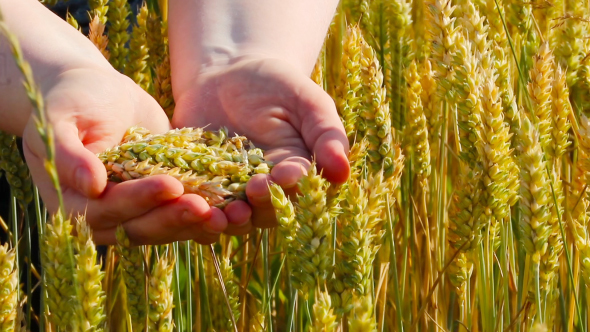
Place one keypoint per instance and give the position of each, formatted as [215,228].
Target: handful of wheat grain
[209,164]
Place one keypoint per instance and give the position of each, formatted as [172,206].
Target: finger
[238,215]
[237,212]
[257,190]
[237,230]
[127,200]
[264,217]
[78,167]
[188,217]
[322,131]
[204,235]
[288,172]
[151,115]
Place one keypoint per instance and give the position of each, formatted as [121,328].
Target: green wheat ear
[90,314]
[16,171]
[160,296]
[134,277]
[9,289]
[210,164]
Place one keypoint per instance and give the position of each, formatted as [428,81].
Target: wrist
[223,32]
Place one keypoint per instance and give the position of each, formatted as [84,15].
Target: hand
[90,109]
[279,109]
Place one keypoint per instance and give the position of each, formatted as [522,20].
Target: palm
[90,111]
[278,109]
[254,99]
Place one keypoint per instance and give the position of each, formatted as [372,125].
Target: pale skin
[231,66]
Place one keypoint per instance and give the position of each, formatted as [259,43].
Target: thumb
[323,131]
[77,167]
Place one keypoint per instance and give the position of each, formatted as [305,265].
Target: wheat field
[467,208]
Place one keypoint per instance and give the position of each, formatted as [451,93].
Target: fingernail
[166,196]
[82,180]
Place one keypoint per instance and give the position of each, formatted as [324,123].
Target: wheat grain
[207,163]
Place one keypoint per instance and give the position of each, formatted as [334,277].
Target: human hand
[89,110]
[280,110]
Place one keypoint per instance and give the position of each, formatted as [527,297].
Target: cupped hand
[89,110]
[278,108]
